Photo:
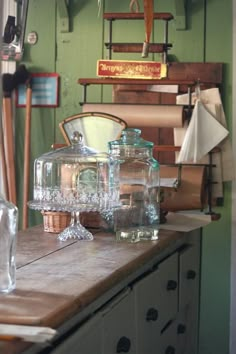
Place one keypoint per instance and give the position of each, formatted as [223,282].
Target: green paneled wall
[208,37]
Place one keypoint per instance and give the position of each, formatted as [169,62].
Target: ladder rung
[137,47]
[136,16]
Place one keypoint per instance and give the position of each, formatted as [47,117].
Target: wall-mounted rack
[187,76]
[137,47]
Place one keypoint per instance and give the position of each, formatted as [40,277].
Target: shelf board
[138,47]
[121,81]
[136,16]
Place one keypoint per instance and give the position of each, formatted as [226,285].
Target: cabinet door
[168,340]
[156,300]
[188,318]
[119,325]
[87,339]
[189,275]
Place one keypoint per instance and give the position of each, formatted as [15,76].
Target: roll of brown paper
[191,194]
[160,116]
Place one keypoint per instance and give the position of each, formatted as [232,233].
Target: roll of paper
[191,194]
[160,116]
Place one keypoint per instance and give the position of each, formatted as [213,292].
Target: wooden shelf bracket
[64,16]
[180,15]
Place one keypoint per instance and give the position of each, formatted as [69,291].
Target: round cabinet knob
[191,274]
[152,315]
[123,345]
[171,285]
[181,329]
[170,350]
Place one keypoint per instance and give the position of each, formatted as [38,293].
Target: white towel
[212,97]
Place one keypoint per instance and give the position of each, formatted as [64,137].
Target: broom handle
[148,19]
[9,149]
[27,156]
[4,167]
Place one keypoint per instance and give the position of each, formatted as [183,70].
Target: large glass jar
[138,217]
[8,235]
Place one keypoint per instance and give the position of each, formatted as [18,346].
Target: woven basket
[54,221]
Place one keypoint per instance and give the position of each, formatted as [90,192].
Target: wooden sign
[131,69]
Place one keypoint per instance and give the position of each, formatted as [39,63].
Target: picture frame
[45,91]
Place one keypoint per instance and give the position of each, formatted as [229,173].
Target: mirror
[14,33]
[97,128]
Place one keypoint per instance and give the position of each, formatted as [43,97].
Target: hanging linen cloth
[204,133]
[223,160]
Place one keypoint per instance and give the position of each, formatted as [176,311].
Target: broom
[27,153]
[9,84]
[8,87]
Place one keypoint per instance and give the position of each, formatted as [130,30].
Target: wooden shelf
[120,81]
[166,16]
[137,47]
[178,74]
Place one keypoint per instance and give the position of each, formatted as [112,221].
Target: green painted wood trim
[64,17]
[180,15]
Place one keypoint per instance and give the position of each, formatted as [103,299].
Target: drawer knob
[191,274]
[181,329]
[123,345]
[171,285]
[152,315]
[170,350]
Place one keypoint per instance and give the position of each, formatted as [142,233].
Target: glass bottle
[138,217]
[8,234]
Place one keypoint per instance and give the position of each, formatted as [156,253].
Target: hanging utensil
[8,87]
[148,20]
[27,153]
[134,6]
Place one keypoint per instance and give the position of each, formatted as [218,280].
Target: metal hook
[134,6]
[198,90]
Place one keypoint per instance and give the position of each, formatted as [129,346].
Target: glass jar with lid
[138,217]
[74,179]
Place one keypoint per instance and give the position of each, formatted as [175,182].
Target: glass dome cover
[75,178]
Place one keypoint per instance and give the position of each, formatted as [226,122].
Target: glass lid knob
[77,138]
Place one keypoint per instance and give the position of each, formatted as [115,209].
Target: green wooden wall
[208,37]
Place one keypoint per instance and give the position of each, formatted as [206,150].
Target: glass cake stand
[75,179]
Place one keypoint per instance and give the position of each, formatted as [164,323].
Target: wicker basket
[54,221]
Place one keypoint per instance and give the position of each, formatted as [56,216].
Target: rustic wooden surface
[56,280]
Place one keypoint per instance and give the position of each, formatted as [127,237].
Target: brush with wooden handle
[9,146]
[9,84]
[27,153]
[3,163]
[148,19]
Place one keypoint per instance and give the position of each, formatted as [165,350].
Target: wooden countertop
[57,280]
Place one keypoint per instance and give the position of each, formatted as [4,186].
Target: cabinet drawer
[119,325]
[86,340]
[188,275]
[156,303]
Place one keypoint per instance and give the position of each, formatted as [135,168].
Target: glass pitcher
[138,217]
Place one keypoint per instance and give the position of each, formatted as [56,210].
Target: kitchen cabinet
[105,296]
[156,314]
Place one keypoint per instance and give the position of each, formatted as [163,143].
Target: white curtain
[8,7]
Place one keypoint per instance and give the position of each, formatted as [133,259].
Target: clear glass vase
[8,235]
